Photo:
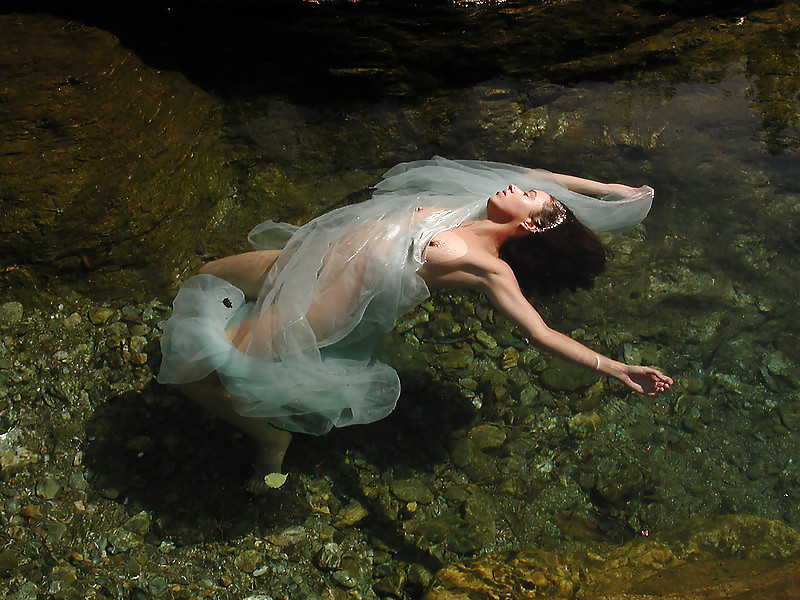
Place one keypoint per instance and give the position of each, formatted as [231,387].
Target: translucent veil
[340,282]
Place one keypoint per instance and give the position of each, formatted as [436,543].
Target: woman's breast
[445,247]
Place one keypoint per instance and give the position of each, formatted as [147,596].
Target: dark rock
[105,160]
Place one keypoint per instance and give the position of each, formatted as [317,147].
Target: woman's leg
[271,442]
[246,271]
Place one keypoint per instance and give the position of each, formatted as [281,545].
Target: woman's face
[515,204]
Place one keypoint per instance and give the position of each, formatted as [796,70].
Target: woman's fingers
[647,380]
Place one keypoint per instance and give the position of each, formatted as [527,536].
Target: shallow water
[705,110]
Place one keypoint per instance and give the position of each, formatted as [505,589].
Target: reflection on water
[705,288]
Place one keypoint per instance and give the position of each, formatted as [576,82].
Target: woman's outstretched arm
[590,187]
[500,286]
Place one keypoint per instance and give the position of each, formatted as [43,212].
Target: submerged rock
[106,160]
[10,313]
[731,565]
[562,376]
[412,490]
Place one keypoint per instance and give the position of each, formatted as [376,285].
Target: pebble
[487,437]
[329,557]
[346,579]
[72,321]
[10,313]
[288,537]
[350,514]
[8,562]
[412,490]
[157,585]
[48,488]
[248,561]
[98,316]
[485,339]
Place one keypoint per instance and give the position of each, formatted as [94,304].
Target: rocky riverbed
[503,471]
[114,486]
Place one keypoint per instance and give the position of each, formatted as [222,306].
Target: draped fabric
[340,282]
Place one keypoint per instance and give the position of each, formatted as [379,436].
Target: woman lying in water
[281,339]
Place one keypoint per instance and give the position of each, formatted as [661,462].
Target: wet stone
[457,358]
[329,557]
[131,314]
[117,331]
[121,541]
[463,453]
[510,358]
[487,437]
[72,321]
[98,316]
[10,313]
[390,585]
[139,523]
[48,488]
[494,384]
[418,577]
[346,579]
[137,344]
[157,585]
[582,425]
[485,339]
[350,514]
[529,395]
[468,383]
[248,561]
[412,490]
[790,415]
[288,537]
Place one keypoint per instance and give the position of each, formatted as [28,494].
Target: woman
[281,339]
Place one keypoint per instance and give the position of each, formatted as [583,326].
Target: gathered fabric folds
[339,283]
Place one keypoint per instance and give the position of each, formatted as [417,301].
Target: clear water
[705,110]
[706,289]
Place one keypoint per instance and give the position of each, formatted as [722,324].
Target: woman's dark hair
[566,256]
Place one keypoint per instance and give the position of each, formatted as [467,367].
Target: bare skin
[466,257]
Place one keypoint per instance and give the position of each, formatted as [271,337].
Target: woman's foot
[268,461]
[271,442]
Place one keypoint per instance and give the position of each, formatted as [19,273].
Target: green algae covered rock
[107,162]
[720,558]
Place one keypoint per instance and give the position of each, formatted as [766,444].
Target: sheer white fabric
[340,282]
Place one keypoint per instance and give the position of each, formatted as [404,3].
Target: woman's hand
[644,380]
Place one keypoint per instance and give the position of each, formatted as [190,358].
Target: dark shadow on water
[339,50]
[154,450]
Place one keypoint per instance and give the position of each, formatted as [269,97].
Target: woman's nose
[513,189]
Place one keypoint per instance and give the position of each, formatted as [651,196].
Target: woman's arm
[500,286]
[590,187]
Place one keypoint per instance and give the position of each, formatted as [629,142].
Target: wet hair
[565,256]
